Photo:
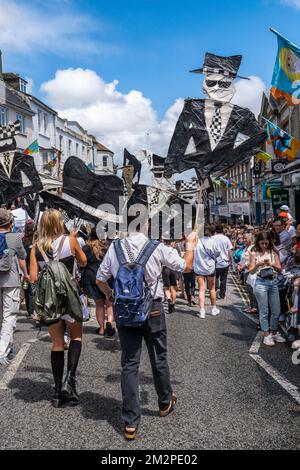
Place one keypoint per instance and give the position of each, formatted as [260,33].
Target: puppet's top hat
[227,66]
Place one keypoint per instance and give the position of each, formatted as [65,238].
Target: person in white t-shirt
[223,262]
[206,254]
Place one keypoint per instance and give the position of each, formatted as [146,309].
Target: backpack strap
[147,251]
[60,247]
[119,252]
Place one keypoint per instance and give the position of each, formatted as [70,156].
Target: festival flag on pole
[286,75]
[284,145]
[32,148]
[263,156]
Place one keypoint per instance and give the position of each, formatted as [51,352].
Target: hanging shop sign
[280,198]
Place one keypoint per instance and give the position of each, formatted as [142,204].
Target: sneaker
[170,307]
[4,362]
[215,311]
[278,338]
[296,344]
[201,315]
[269,341]
[10,354]
[109,331]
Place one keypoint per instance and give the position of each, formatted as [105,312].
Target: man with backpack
[12,255]
[136,264]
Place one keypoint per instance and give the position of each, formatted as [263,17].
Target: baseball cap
[285,208]
[5,217]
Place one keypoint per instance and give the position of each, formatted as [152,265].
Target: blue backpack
[5,261]
[132,296]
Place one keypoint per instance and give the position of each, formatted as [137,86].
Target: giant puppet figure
[212,134]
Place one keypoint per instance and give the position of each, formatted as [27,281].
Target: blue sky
[147,45]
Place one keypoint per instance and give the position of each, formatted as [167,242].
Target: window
[45,124]
[83,151]
[23,86]
[40,121]
[61,142]
[105,160]
[21,118]
[77,150]
[45,161]
[70,147]
[3,116]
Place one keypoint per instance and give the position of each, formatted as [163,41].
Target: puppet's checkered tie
[216,124]
[7,161]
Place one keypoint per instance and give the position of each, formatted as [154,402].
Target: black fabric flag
[158,163]
[87,191]
[18,176]
[212,136]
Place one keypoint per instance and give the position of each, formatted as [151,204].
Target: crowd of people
[53,264]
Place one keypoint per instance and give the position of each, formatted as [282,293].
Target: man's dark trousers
[221,277]
[155,334]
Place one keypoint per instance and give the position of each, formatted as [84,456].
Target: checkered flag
[154,198]
[188,191]
[188,186]
[9,131]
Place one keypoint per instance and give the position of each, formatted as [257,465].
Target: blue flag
[286,75]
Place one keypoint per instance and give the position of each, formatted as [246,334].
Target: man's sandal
[129,433]
[170,407]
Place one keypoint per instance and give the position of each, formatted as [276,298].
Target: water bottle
[25,285]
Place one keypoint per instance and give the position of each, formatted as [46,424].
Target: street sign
[219,201]
[279,166]
[257,168]
[280,198]
[268,188]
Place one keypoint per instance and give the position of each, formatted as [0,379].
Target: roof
[103,148]
[16,101]
[41,103]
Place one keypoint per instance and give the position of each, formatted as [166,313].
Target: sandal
[170,407]
[129,433]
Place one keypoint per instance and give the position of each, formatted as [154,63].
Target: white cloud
[292,3]
[116,119]
[28,29]
[249,93]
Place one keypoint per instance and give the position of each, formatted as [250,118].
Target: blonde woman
[50,240]
[95,251]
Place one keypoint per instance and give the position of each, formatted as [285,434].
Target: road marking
[288,386]
[291,389]
[256,344]
[14,366]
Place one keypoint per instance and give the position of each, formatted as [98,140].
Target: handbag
[266,273]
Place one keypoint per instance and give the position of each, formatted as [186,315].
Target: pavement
[228,396]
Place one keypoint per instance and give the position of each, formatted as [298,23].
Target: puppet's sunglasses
[221,84]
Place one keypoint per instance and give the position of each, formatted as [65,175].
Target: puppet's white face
[218,87]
